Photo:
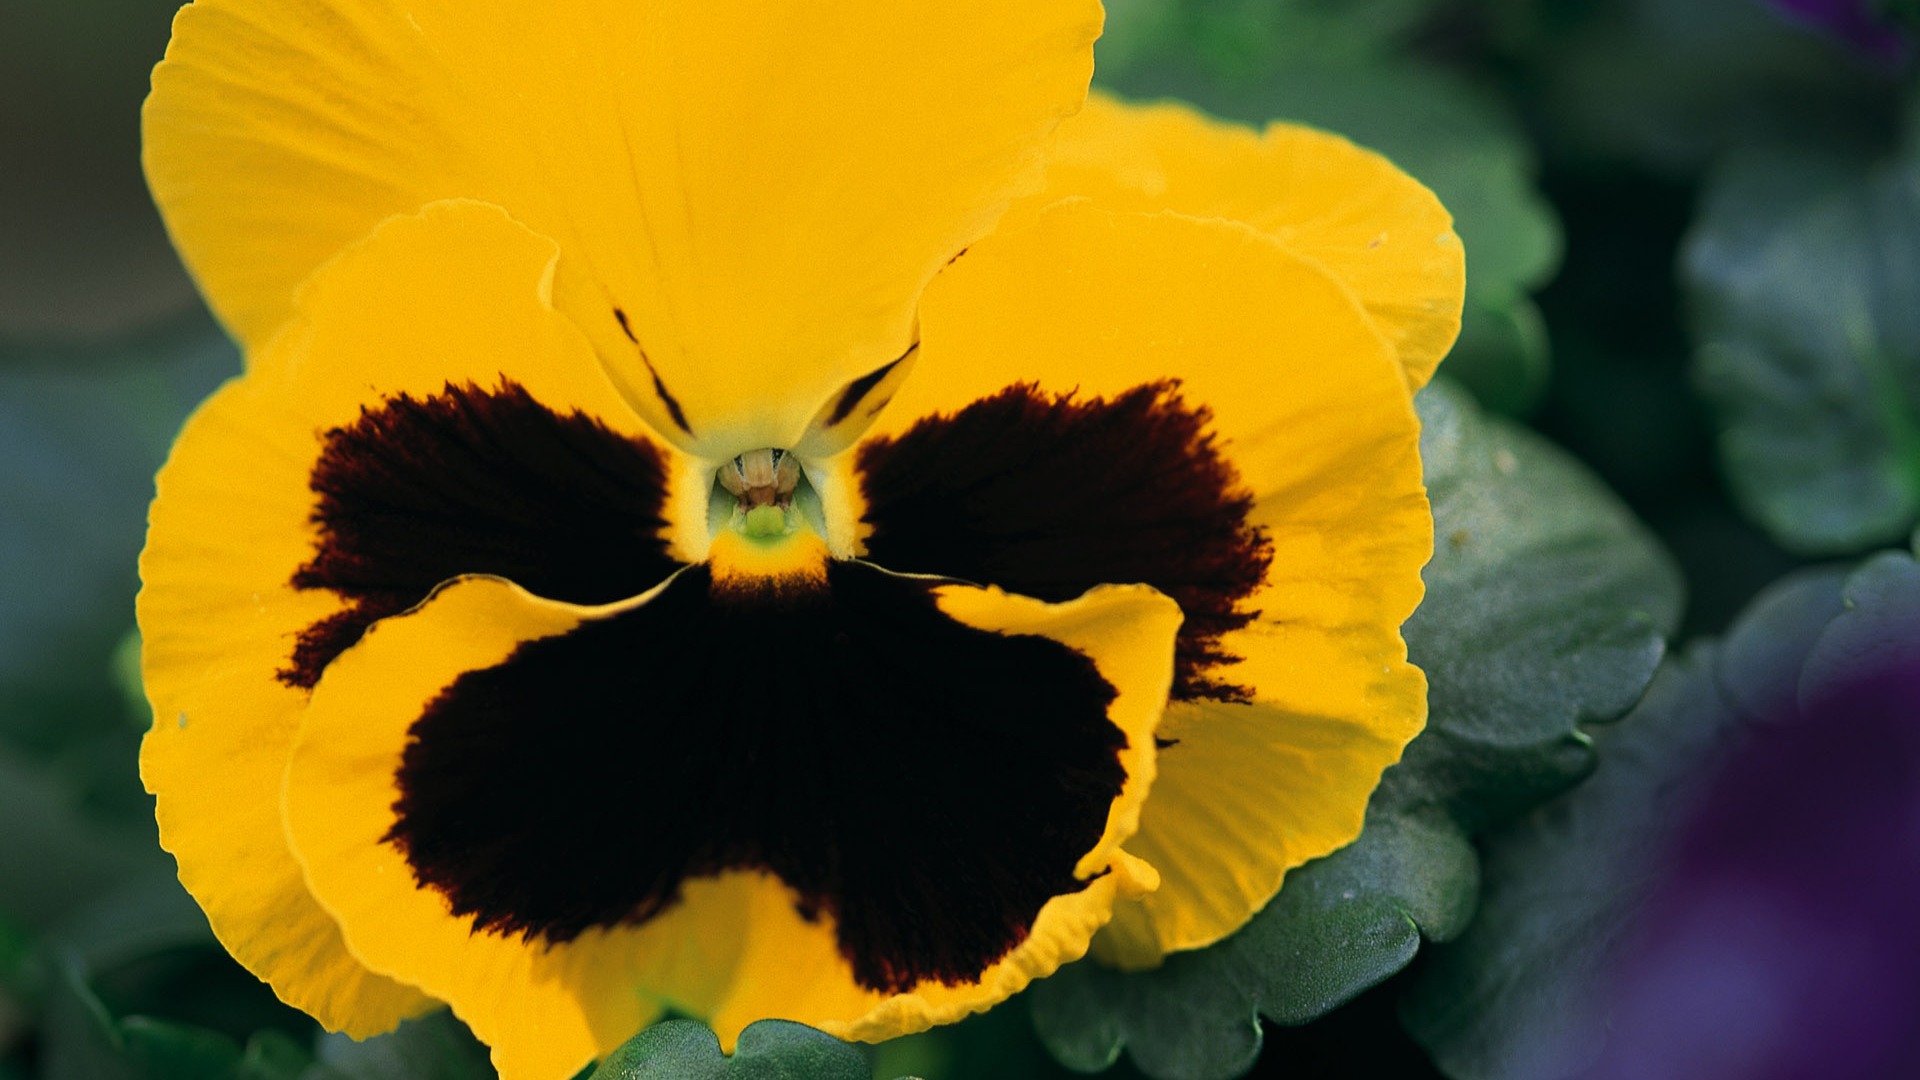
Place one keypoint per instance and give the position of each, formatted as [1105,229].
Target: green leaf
[434,1047]
[1502,354]
[79,1038]
[1877,629]
[1243,38]
[144,913]
[998,1043]
[16,947]
[84,1041]
[1547,606]
[1802,272]
[75,856]
[767,1050]
[271,1055]
[674,1049]
[1758,667]
[1519,995]
[1665,87]
[1501,1001]
[166,1051]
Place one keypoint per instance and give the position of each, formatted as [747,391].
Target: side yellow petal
[748,195]
[1253,790]
[1250,791]
[231,525]
[1378,230]
[1312,408]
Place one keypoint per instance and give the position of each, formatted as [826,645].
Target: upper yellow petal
[1084,299]
[232,523]
[748,196]
[1372,226]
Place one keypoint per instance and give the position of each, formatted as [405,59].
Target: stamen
[763,484]
[761,478]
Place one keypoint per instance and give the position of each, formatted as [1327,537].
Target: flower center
[767,524]
[764,496]
[762,483]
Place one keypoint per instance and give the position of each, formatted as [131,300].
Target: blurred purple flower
[1859,23]
[1782,942]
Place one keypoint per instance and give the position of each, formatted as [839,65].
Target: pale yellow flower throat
[767,522]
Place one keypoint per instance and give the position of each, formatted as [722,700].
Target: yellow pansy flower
[740,508]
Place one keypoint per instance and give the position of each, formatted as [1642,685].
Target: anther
[761,478]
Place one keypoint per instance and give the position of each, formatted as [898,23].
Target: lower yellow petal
[1247,793]
[232,524]
[793,971]
[732,944]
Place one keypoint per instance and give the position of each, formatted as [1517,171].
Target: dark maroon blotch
[472,481]
[672,404]
[1048,496]
[926,784]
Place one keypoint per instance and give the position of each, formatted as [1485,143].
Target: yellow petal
[545,1010]
[1098,302]
[1250,791]
[758,190]
[232,524]
[1311,406]
[547,1007]
[800,976]
[1374,227]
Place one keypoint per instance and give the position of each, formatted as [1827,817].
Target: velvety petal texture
[1373,227]
[749,195]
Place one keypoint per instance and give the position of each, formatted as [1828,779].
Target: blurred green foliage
[1521,995]
[1690,362]
[1358,69]
[1803,268]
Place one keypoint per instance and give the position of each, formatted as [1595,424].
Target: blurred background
[1693,237]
